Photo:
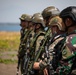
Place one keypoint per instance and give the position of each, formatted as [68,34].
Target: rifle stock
[18,66]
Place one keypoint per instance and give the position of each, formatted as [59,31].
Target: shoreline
[9,32]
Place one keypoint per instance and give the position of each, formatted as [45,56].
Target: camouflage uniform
[24,34]
[23,40]
[67,54]
[23,30]
[56,38]
[37,19]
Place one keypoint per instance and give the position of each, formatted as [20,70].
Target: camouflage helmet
[50,11]
[34,15]
[37,14]
[69,12]
[25,17]
[57,21]
[37,18]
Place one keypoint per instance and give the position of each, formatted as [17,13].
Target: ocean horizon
[10,27]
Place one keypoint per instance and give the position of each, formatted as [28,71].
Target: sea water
[10,27]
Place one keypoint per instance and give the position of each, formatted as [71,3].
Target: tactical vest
[26,35]
[23,45]
[68,55]
[33,43]
[56,40]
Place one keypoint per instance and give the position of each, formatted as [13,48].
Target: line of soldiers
[48,42]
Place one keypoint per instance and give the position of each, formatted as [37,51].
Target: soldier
[38,22]
[58,30]
[33,28]
[23,25]
[32,33]
[68,50]
[25,18]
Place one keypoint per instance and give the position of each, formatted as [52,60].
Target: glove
[42,65]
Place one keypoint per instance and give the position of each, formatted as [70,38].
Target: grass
[9,43]
[8,61]
[9,40]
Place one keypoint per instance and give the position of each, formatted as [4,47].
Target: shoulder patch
[73,41]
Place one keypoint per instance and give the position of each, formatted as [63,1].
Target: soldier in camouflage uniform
[64,51]
[32,27]
[38,22]
[33,32]
[58,30]
[67,47]
[23,26]
[25,19]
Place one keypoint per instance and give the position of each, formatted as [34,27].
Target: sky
[11,10]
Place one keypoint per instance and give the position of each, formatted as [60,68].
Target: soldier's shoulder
[41,32]
[71,38]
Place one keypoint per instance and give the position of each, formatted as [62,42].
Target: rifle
[26,56]
[49,66]
[18,66]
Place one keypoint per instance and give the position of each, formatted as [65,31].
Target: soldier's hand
[42,65]
[45,71]
[36,66]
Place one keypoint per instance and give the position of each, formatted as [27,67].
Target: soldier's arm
[39,64]
[38,42]
[36,65]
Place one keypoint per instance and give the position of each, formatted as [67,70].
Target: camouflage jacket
[69,48]
[23,44]
[35,43]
